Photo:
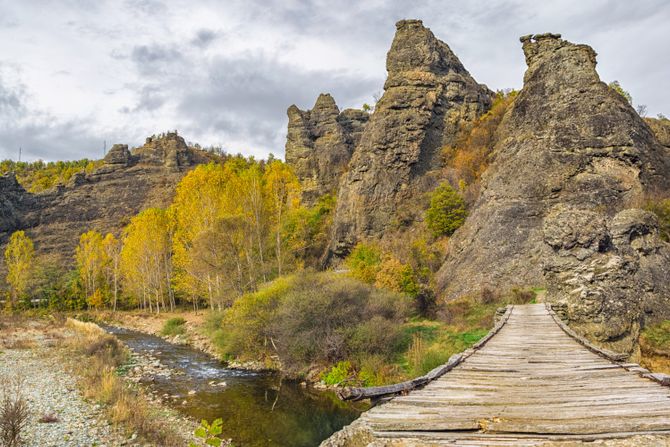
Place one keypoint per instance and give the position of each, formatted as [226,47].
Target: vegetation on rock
[40,176]
[447,211]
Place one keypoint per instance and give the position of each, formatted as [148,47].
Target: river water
[258,409]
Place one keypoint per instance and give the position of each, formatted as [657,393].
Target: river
[258,409]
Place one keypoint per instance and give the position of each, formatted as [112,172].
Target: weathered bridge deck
[530,383]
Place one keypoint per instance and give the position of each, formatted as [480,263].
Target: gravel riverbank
[51,394]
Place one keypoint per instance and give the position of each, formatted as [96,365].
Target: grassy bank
[98,360]
[655,347]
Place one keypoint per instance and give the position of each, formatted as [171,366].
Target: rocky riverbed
[34,352]
[58,414]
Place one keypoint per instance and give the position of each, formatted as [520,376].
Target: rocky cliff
[661,128]
[105,200]
[427,94]
[319,144]
[557,209]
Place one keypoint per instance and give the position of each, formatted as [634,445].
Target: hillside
[105,200]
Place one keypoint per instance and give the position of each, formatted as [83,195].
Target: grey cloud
[154,58]
[40,135]
[204,37]
[247,97]
[151,97]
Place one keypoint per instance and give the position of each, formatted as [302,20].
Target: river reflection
[258,409]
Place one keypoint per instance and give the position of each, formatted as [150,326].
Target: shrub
[657,336]
[364,262]
[614,85]
[446,212]
[209,433]
[174,326]
[662,210]
[14,413]
[338,374]
[397,277]
[246,324]
[315,319]
[468,158]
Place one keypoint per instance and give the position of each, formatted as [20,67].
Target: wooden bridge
[533,381]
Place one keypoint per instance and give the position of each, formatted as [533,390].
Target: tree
[446,212]
[283,191]
[112,248]
[91,259]
[614,85]
[19,258]
[205,198]
[146,259]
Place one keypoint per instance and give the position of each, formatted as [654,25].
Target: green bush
[614,85]
[364,262]
[657,336]
[174,326]
[446,212]
[246,325]
[338,374]
[316,319]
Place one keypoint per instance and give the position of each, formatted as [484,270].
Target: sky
[76,75]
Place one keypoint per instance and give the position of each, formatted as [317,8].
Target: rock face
[319,144]
[11,195]
[104,201]
[168,150]
[427,93]
[572,160]
[661,128]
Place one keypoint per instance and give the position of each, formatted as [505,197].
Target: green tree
[19,259]
[447,211]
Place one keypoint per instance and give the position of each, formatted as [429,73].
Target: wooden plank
[530,381]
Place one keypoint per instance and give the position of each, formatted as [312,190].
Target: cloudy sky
[76,73]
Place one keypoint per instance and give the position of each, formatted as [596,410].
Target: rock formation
[661,128]
[572,160]
[105,200]
[427,93]
[319,144]
[11,195]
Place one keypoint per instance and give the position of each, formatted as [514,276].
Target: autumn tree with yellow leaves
[91,260]
[146,260]
[19,259]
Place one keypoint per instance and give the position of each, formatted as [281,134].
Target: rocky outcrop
[319,144]
[427,94]
[571,161]
[11,195]
[168,150]
[127,183]
[661,128]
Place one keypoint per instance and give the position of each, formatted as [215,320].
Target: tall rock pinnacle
[557,209]
[319,144]
[427,93]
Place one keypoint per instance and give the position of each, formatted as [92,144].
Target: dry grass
[18,343]
[126,406]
